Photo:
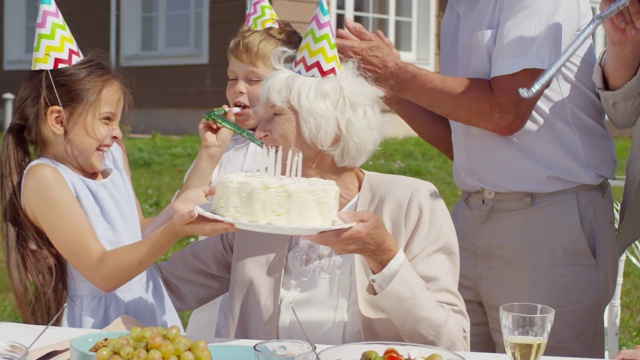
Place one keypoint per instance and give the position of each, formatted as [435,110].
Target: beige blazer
[623,109]
[421,304]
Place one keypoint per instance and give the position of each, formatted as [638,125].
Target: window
[599,40]
[19,30]
[164,32]
[410,24]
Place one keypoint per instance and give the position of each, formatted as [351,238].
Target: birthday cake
[278,200]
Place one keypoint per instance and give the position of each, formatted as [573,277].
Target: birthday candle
[288,167]
[299,174]
[263,161]
[272,161]
[294,165]
[278,170]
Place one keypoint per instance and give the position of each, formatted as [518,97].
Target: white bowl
[354,351]
[13,350]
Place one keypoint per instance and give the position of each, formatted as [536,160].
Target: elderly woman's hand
[624,26]
[368,237]
[622,58]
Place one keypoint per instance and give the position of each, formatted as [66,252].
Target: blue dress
[110,205]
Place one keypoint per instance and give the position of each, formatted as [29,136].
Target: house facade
[173,52]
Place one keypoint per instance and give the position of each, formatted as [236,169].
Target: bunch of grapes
[154,343]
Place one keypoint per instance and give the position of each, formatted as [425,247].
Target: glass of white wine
[525,329]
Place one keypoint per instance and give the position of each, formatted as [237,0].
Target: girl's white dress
[110,205]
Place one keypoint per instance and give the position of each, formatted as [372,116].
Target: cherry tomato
[391,351]
[393,356]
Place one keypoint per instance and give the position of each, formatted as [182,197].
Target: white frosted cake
[278,200]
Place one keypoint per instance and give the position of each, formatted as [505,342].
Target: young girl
[72,225]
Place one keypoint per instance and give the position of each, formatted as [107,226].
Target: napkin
[123,323]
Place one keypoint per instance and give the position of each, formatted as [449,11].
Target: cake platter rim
[270,228]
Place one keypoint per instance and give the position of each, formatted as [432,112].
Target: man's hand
[374,52]
[629,354]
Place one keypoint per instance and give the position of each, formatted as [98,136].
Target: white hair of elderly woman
[339,114]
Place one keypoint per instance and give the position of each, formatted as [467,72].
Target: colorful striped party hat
[318,54]
[54,47]
[260,15]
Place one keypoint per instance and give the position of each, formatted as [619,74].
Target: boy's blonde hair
[254,47]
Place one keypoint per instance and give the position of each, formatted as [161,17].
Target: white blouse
[318,282]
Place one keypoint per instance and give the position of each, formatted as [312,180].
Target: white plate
[354,351]
[270,228]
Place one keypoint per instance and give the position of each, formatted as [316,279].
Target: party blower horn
[260,15]
[318,54]
[54,46]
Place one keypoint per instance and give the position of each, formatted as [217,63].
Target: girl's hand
[214,136]
[187,218]
[188,200]
[368,237]
[192,224]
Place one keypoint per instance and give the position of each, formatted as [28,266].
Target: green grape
[147,333]
[127,352]
[184,340]
[197,345]
[115,357]
[103,353]
[172,357]
[202,354]
[167,349]
[136,333]
[139,354]
[122,342]
[111,344]
[154,355]
[160,330]
[179,347]
[155,341]
[172,332]
[187,355]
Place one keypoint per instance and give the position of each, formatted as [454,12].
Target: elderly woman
[393,276]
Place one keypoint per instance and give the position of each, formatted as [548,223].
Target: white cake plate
[270,228]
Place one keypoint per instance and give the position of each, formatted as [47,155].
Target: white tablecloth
[25,334]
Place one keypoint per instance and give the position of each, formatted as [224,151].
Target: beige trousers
[556,249]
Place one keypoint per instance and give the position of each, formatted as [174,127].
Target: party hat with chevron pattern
[54,47]
[260,15]
[318,54]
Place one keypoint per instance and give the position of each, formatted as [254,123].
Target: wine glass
[525,329]
[284,350]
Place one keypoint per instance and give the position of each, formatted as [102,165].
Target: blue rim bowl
[80,346]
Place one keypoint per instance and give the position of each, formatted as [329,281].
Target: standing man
[618,83]
[535,221]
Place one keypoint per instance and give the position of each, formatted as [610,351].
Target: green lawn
[158,164]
